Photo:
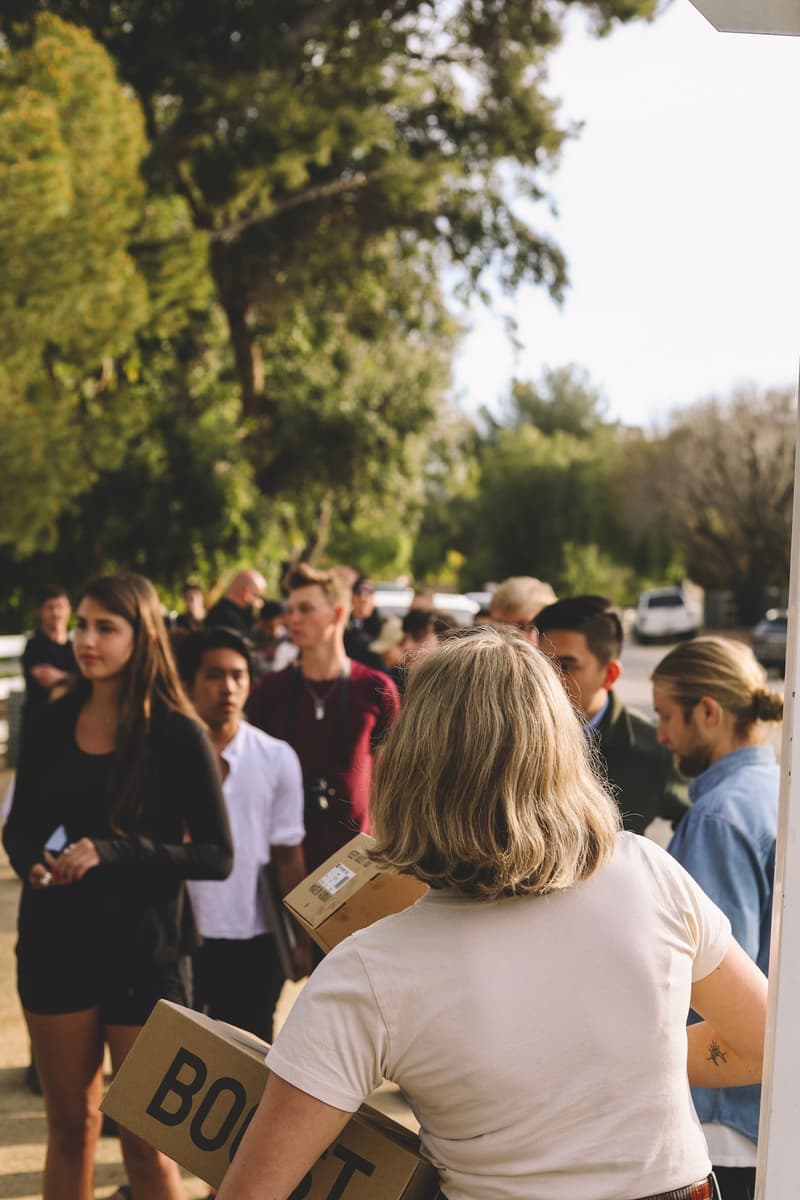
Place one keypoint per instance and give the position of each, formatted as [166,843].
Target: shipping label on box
[190,1086]
[349,892]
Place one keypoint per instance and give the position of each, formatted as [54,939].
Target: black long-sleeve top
[133,902]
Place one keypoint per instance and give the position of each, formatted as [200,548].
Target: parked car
[395,601]
[664,613]
[769,639]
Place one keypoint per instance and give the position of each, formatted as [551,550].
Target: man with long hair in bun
[713,706]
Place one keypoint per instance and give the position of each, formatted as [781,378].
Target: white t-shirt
[541,1041]
[727,1147]
[264,797]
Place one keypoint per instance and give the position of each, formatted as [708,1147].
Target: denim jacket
[726,842]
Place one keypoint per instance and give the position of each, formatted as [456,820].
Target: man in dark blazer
[583,637]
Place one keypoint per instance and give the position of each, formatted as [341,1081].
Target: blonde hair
[334,584]
[725,670]
[485,781]
[523,594]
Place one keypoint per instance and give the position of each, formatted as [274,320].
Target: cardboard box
[349,892]
[190,1086]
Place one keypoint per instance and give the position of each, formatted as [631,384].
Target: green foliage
[251,356]
[71,141]
[544,491]
[536,493]
[588,569]
[564,401]
[70,296]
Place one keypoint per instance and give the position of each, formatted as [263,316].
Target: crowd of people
[532,1007]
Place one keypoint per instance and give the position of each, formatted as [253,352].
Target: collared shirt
[264,797]
[641,772]
[591,725]
[726,842]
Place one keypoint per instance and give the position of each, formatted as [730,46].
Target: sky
[679,213]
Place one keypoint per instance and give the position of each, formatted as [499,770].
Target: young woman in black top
[117,801]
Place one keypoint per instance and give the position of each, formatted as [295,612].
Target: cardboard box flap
[340,877]
[349,892]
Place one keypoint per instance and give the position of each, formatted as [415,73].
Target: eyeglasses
[364,590]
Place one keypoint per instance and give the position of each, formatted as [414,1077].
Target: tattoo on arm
[715,1053]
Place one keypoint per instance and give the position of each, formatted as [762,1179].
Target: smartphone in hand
[57,842]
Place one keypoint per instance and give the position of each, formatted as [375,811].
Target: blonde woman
[532,1006]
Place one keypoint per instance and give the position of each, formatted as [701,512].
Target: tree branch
[323,191]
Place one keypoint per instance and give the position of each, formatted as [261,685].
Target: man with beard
[712,706]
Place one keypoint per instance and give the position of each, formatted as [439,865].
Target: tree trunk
[246,351]
[317,541]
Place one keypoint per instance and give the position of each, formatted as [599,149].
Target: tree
[536,495]
[300,132]
[563,400]
[326,160]
[721,481]
[71,298]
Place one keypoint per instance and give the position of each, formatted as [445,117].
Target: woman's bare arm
[727,1047]
[287,1135]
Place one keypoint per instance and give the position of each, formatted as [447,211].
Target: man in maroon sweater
[331,709]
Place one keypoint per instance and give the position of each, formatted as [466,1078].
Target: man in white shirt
[238,976]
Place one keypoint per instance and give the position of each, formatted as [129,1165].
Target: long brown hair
[150,685]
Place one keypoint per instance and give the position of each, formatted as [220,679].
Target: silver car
[769,639]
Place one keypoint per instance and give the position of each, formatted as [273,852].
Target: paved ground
[22,1126]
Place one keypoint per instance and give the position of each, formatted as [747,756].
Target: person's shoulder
[637,856]
[273,684]
[56,715]
[36,644]
[173,725]
[225,612]
[359,670]
[371,679]
[746,798]
[256,742]
[392,933]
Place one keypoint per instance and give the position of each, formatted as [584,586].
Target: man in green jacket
[583,637]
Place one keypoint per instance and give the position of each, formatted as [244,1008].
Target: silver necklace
[320,701]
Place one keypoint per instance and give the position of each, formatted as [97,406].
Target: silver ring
[44,880]
[67,849]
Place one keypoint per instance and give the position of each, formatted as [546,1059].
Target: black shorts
[124,994]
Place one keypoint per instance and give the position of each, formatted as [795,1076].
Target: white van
[663,613]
